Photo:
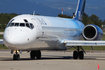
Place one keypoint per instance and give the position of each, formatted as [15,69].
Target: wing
[83,43]
[1,41]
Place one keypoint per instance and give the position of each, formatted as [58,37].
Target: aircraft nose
[17,38]
[11,38]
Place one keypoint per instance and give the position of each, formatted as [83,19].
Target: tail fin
[80,10]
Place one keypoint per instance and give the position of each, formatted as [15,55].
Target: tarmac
[52,60]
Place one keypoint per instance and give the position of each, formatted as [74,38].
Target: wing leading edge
[83,43]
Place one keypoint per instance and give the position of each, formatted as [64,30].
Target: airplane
[34,33]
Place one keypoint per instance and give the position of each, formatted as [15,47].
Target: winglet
[80,10]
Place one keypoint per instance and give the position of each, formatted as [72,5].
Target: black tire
[32,54]
[75,55]
[16,57]
[81,55]
[38,56]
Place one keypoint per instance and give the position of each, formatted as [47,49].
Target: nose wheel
[16,56]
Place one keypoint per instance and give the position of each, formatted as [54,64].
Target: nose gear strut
[16,56]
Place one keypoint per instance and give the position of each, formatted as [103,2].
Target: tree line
[5,18]
[93,19]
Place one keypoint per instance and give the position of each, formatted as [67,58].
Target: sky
[52,7]
[96,7]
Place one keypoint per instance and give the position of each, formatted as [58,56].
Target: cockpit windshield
[22,24]
[16,24]
[29,25]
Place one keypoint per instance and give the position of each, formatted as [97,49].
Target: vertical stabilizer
[80,10]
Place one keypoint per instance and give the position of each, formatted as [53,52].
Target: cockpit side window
[12,24]
[31,25]
[27,25]
[22,24]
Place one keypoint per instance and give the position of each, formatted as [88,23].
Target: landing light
[16,51]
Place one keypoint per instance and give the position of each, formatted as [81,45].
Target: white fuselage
[30,32]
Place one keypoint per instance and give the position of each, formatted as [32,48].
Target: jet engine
[92,32]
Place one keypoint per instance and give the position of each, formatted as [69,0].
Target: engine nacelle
[92,32]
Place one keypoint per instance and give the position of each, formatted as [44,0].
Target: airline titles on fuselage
[42,21]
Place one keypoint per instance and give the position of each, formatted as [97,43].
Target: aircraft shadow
[49,57]
[44,57]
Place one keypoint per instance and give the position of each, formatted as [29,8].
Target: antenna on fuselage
[33,12]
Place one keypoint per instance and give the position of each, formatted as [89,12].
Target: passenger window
[31,25]
[27,25]
[12,24]
[22,24]
[16,24]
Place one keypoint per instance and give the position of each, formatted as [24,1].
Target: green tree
[95,20]
[5,18]
[64,16]
[85,19]
[104,22]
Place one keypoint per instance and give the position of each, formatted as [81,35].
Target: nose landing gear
[33,54]
[16,56]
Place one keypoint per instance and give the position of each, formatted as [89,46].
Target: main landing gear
[35,53]
[78,54]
